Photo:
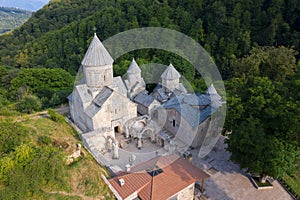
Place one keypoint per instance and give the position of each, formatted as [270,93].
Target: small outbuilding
[164,177]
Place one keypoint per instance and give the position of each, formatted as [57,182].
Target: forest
[255,45]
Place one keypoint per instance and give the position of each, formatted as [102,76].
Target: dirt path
[61,110]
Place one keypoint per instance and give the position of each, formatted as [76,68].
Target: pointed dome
[170,73]
[211,90]
[133,68]
[215,98]
[96,54]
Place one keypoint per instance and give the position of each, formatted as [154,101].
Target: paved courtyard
[147,152]
[228,182]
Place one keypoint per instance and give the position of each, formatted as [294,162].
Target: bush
[29,104]
[55,116]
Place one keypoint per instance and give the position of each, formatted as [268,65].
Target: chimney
[121,182]
[127,168]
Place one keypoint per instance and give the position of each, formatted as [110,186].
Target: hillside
[227,29]
[33,159]
[11,18]
[31,5]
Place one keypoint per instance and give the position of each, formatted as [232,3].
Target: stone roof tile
[170,73]
[96,54]
[144,99]
[133,68]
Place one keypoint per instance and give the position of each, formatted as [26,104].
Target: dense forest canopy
[58,35]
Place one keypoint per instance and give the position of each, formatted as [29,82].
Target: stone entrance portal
[117,129]
[116,126]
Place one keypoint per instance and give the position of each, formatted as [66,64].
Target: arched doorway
[117,129]
[116,126]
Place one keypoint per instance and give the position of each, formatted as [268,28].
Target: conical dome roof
[133,68]
[216,100]
[96,54]
[170,73]
[211,90]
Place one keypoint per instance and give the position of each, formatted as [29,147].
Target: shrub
[55,116]
[29,104]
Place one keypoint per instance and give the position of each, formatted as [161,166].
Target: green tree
[9,139]
[275,63]
[258,152]
[29,104]
[54,85]
[265,127]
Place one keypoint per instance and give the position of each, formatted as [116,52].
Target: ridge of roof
[133,67]
[211,90]
[176,171]
[170,73]
[96,55]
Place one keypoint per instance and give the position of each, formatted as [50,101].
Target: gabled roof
[83,93]
[197,100]
[170,73]
[96,54]
[119,86]
[133,68]
[144,99]
[183,105]
[176,173]
[99,100]
[159,94]
[103,95]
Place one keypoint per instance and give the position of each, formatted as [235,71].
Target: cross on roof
[94,29]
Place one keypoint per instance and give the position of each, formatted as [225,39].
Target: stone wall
[142,109]
[202,130]
[182,130]
[186,194]
[170,84]
[99,76]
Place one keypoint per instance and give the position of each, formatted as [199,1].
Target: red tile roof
[177,174]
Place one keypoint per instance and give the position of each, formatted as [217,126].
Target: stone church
[108,104]
[101,102]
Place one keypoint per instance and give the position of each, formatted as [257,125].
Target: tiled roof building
[160,178]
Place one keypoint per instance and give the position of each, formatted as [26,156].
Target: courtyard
[229,182]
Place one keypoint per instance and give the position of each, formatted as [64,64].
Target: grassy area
[259,184]
[81,178]
[293,183]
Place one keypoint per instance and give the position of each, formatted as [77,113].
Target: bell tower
[134,73]
[170,78]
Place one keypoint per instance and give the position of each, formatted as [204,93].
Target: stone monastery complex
[119,119]
[149,141]
[110,105]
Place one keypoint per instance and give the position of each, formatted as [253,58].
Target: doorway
[117,129]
